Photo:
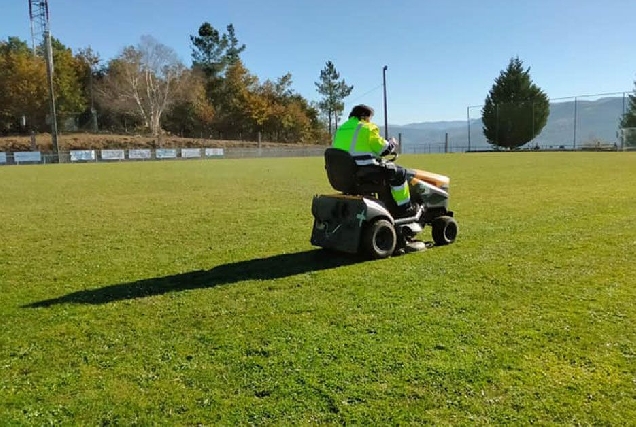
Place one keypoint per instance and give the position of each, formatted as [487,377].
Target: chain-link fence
[627,138]
[584,122]
[575,123]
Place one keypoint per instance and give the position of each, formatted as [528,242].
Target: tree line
[147,89]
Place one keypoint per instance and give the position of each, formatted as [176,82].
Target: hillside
[595,120]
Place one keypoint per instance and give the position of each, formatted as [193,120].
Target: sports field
[187,293]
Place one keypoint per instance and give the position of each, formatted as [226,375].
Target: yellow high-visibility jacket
[362,140]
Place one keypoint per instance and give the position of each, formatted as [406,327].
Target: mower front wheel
[379,239]
[444,230]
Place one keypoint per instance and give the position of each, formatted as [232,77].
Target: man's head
[362,112]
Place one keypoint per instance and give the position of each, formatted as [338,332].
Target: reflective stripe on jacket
[362,140]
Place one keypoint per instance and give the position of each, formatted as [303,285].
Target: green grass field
[187,293]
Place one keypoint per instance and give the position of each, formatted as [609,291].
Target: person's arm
[379,145]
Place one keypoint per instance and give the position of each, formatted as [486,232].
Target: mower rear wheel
[444,230]
[379,239]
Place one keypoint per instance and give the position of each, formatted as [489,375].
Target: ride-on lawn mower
[362,217]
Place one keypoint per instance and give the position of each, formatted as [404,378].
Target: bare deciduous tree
[145,80]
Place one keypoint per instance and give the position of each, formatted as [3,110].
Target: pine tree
[334,91]
[629,120]
[516,110]
[213,52]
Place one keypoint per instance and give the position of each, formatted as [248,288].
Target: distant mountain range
[595,121]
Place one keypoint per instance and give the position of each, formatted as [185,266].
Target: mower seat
[347,177]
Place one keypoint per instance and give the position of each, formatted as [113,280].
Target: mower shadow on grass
[274,267]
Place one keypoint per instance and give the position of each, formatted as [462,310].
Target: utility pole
[386,120]
[468,121]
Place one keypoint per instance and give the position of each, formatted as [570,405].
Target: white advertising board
[166,153]
[82,155]
[214,152]
[190,153]
[113,155]
[27,157]
[139,154]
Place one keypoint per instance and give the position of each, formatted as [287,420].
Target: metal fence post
[468,121]
[575,114]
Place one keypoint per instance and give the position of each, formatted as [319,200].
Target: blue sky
[442,56]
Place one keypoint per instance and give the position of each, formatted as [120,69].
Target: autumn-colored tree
[260,107]
[233,114]
[193,115]
[23,90]
[203,110]
[213,52]
[289,117]
[272,97]
[318,132]
[69,72]
[146,86]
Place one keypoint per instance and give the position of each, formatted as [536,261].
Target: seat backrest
[341,170]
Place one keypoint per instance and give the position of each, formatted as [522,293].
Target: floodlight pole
[386,121]
[49,73]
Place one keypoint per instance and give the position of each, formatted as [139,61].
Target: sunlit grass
[180,293]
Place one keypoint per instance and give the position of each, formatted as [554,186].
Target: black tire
[379,239]
[444,230]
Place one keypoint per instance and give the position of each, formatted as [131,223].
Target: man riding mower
[381,206]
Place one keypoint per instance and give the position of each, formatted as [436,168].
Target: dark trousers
[388,176]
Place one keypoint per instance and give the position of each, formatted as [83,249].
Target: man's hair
[360,111]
